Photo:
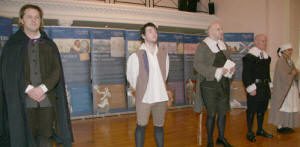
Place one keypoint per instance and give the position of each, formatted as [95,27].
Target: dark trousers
[41,125]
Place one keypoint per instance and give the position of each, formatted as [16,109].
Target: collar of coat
[212,44]
[21,36]
[256,52]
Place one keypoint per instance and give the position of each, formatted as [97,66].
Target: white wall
[294,32]
[258,16]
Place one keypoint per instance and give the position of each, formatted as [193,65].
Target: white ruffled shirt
[156,89]
[213,46]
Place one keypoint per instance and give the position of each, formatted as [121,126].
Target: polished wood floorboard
[181,130]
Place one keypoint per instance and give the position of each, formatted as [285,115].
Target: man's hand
[253,93]
[294,72]
[232,70]
[224,71]
[171,98]
[42,98]
[36,94]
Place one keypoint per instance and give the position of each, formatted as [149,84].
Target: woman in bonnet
[285,96]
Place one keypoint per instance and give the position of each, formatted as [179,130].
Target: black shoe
[223,142]
[264,134]
[283,130]
[289,130]
[210,144]
[251,137]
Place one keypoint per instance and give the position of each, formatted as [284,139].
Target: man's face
[216,31]
[261,42]
[150,35]
[31,20]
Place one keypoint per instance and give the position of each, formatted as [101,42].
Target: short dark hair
[143,29]
[31,6]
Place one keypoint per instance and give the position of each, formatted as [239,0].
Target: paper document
[228,65]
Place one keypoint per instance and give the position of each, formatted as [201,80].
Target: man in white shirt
[147,72]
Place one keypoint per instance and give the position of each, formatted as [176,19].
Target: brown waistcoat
[142,79]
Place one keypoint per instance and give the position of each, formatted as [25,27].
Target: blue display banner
[79,100]
[108,57]
[5,31]
[191,43]
[239,44]
[108,70]
[133,43]
[238,37]
[74,47]
[173,43]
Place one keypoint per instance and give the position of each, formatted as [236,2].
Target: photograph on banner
[173,43]
[239,44]
[74,48]
[81,47]
[133,43]
[109,98]
[117,43]
[5,31]
[133,46]
[108,71]
[190,44]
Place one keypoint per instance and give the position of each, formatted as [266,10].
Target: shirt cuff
[271,84]
[218,74]
[44,88]
[251,88]
[29,87]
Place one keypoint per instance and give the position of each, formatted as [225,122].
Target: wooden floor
[181,130]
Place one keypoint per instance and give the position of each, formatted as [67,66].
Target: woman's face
[288,52]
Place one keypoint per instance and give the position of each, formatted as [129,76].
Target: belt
[261,80]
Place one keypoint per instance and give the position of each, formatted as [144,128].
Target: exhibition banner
[5,31]
[173,43]
[239,44]
[108,71]
[133,43]
[74,47]
[190,44]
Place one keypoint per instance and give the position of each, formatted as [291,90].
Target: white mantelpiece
[68,10]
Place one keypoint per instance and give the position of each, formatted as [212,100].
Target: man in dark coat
[256,78]
[213,84]
[32,87]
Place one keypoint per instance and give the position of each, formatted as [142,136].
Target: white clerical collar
[256,52]
[212,44]
[144,47]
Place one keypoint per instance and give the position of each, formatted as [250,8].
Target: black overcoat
[14,121]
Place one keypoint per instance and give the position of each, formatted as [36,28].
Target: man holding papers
[257,81]
[213,86]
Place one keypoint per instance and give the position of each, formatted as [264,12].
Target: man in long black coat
[33,99]
[256,78]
